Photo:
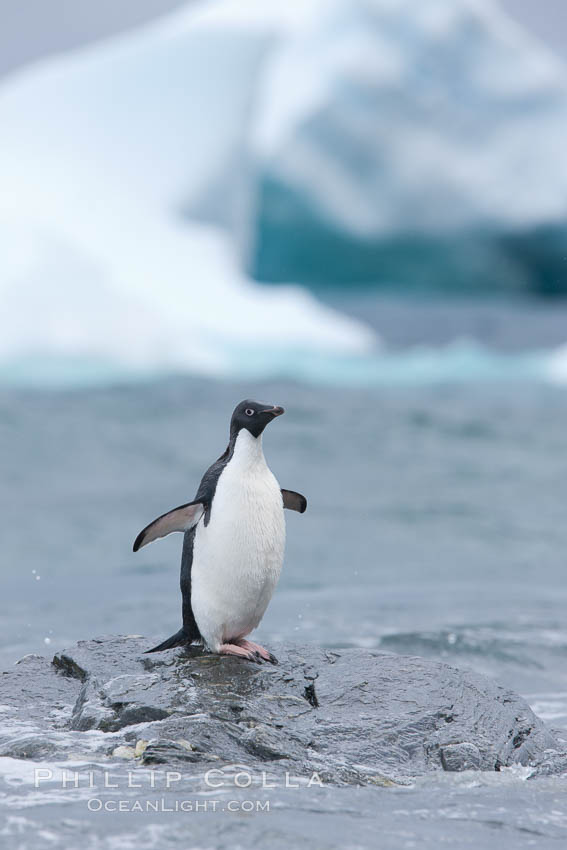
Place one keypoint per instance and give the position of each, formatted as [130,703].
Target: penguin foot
[240,651]
[257,650]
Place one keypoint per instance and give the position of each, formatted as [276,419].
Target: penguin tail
[178,639]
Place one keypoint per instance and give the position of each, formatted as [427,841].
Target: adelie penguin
[234,541]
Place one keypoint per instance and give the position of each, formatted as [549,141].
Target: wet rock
[268,743]
[457,757]
[33,694]
[166,752]
[552,763]
[90,712]
[36,747]
[353,716]
[123,700]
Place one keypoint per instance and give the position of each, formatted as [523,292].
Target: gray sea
[437,526]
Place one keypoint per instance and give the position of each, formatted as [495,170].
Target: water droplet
[47,640]
[38,578]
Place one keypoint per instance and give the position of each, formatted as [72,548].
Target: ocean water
[435,526]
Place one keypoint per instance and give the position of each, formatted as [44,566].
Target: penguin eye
[249,412]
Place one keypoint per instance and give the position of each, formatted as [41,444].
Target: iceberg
[149,181]
[102,270]
[414,144]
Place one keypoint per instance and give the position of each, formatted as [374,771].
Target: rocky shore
[354,717]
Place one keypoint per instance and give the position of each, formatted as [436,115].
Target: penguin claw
[239,651]
[258,650]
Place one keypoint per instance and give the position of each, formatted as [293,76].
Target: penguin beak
[275,411]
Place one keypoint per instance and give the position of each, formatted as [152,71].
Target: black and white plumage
[234,539]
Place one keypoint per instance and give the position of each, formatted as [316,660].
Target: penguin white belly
[238,556]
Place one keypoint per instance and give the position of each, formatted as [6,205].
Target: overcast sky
[31,28]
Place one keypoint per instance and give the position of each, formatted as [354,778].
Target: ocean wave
[523,643]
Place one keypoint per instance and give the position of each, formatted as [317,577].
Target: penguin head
[253,416]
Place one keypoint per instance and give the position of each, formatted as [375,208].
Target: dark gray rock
[353,716]
[166,752]
[33,693]
[32,746]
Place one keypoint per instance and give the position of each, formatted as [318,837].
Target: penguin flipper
[294,501]
[182,518]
